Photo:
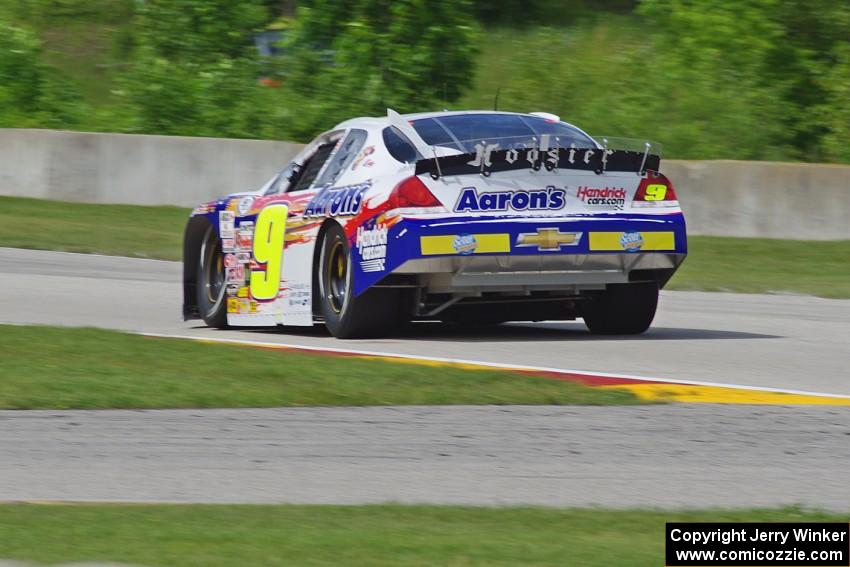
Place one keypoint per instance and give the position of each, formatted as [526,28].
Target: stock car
[472,218]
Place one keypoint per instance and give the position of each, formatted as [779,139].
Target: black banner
[757,544]
[488,160]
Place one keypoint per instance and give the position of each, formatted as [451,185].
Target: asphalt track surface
[658,456]
[673,456]
[775,341]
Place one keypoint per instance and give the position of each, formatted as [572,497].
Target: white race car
[469,217]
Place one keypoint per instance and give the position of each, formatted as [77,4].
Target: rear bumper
[450,255]
[529,273]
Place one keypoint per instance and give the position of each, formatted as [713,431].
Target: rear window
[434,134]
[463,131]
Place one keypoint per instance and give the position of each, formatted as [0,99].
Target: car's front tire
[622,309]
[373,313]
[211,284]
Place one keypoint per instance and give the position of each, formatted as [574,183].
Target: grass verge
[388,535]
[53,367]
[746,265]
[761,265]
[119,230]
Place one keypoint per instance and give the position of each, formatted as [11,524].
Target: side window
[280,182]
[344,156]
[308,172]
[399,146]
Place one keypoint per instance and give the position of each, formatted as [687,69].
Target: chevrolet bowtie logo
[548,239]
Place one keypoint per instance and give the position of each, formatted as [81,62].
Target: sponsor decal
[204,208]
[602,196]
[230,261]
[543,154]
[367,151]
[235,274]
[549,199]
[232,289]
[242,292]
[372,246]
[655,195]
[245,236]
[465,244]
[244,206]
[243,257]
[337,202]
[631,241]
[548,239]
[241,306]
[227,245]
[546,153]
[299,295]
[451,244]
[226,224]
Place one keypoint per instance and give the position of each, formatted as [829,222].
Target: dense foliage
[527,13]
[348,58]
[194,71]
[32,94]
[744,79]
[785,60]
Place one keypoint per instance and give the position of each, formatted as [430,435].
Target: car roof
[421,115]
[375,122]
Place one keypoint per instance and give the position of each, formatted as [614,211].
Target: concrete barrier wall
[725,198]
[765,199]
[136,170]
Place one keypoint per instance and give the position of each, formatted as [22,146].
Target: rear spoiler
[489,159]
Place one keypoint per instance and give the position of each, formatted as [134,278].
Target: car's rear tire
[375,312]
[211,283]
[622,309]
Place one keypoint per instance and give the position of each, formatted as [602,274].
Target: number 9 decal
[656,192]
[269,235]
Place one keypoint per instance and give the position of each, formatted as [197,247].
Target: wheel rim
[337,270]
[213,271]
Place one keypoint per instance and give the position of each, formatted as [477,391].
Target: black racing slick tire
[211,283]
[375,312]
[622,309]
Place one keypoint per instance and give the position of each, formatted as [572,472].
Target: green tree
[738,79]
[195,71]
[784,58]
[711,77]
[353,58]
[613,78]
[833,114]
[522,13]
[811,60]
[199,31]
[33,94]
